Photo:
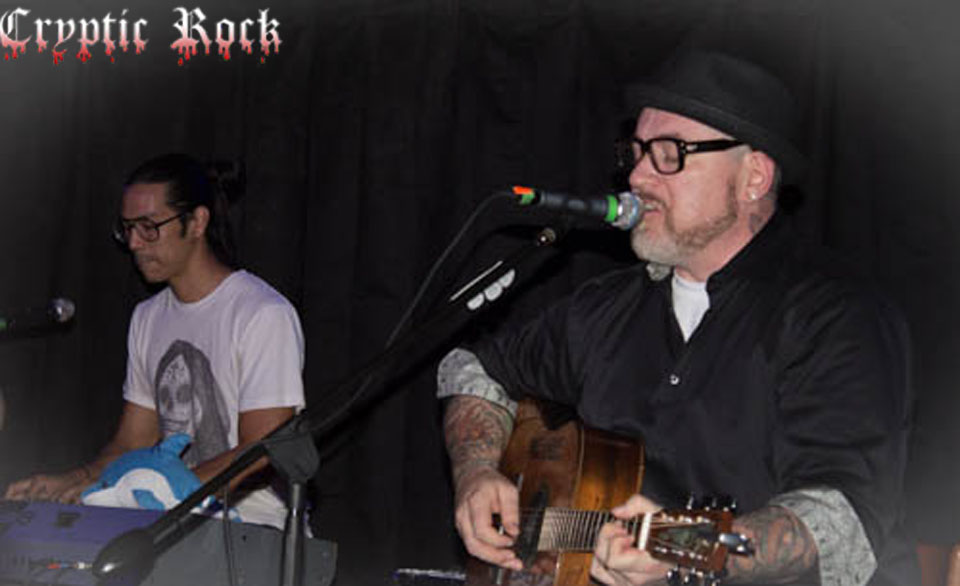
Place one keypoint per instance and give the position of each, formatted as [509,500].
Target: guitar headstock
[696,540]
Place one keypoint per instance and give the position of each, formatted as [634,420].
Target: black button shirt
[797,377]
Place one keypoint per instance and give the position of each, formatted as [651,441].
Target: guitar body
[571,467]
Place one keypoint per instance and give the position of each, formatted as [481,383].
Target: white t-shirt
[690,303]
[201,364]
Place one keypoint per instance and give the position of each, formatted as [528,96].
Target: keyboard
[52,543]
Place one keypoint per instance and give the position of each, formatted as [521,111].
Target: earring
[753,196]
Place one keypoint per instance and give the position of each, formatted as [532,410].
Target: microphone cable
[431,274]
[340,405]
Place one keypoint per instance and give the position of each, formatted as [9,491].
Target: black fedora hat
[734,96]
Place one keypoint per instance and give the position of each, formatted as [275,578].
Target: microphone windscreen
[62,309]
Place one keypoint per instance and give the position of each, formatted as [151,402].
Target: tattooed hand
[476,433]
[480,493]
[784,548]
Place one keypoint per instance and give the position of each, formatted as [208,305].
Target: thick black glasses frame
[684,148]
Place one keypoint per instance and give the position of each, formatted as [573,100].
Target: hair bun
[228,177]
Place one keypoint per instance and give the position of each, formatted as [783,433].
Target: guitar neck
[566,529]
[697,539]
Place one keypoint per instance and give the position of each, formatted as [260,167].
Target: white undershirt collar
[690,303]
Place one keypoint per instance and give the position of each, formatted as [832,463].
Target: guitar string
[577,529]
[559,512]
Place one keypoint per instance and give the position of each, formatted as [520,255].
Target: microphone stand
[291,447]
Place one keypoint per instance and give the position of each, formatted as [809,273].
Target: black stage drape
[369,139]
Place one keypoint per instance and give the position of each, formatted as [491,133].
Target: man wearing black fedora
[748,362]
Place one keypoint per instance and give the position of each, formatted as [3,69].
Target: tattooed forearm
[785,550]
[476,433]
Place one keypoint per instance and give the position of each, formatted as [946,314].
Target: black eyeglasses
[147,229]
[668,154]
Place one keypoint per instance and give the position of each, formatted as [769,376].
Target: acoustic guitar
[568,477]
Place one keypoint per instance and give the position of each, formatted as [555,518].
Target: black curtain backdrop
[370,138]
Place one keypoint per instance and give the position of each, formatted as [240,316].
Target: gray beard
[677,246]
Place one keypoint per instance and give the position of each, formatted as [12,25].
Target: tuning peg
[674,577]
[714,578]
[725,502]
[737,543]
[691,579]
[721,502]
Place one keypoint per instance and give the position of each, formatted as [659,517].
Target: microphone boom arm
[131,555]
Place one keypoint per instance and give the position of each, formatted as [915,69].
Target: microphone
[622,210]
[58,311]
